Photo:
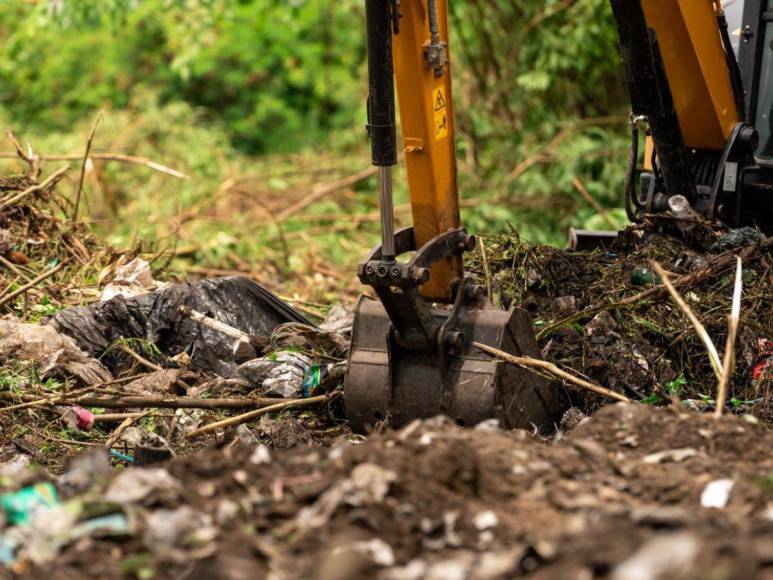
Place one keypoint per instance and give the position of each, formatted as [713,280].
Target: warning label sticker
[441,113]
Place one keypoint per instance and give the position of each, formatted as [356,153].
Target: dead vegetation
[605,315]
[206,379]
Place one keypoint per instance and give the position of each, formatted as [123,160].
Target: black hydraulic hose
[732,66]
[632,203]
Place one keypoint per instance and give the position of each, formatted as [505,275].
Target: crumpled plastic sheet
[236,301]
[53,353]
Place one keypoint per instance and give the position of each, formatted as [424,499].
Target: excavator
[700,81]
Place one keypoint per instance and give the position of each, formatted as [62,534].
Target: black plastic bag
[156,317]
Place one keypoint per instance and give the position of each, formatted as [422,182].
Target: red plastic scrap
[762,369]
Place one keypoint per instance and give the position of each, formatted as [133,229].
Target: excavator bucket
[395,377]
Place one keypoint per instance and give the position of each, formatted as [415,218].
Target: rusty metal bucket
[387,382]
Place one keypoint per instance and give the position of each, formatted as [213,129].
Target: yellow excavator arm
[694,59]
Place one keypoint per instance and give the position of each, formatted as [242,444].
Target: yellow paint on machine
[700,84]
[430,157]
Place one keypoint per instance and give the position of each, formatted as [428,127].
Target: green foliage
[543,102]
[675,388]
[204,85]
[278,73]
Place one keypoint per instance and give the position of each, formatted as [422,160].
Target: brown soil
[479,503]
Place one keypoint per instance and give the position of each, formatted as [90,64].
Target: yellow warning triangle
[440,102]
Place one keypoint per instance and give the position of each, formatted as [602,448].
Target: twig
[79,189]
[594,204]
[140,359]
[131,402]
[113,417]
[716,363]
[12,267]
[321,191]
[486,270]
[549,367]
[30,158]
[53,178]
[244,417]
[48,400]
[32,284]
[118,157]
[7,289]
[732,331]
[123,427]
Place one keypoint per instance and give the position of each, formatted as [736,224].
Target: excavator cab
[700,77]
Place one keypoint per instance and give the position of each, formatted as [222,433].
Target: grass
[232,214]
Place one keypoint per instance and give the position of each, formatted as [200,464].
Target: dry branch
[716,363]
[79,189]
[549,367]
[31,284]
[50,180]
[593,203]
[244,417]
[118,157]
[321,191]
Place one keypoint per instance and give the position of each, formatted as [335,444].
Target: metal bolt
[454,339]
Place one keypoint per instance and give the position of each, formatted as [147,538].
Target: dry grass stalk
[50,180]
[79,189]
[8,297]
[716,363]
[125,424]
[593,203]
[118,157]
[733,321]
[244,417]
[486,270]
[543,365]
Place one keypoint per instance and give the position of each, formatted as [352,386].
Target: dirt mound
[624,489]
[604,315]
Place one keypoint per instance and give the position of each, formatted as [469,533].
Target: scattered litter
[376,550]
[135,485]
[77,418]
[737,238]
[183,526]
[716,494]
[115,525]
[670,456]
[762,369]
[339,319]
[85,469]
[664,555]
[485,520]
[20,506]
[368,484]
[128,280]
[155,317]
[642,276]
[260,455]
[54,354]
